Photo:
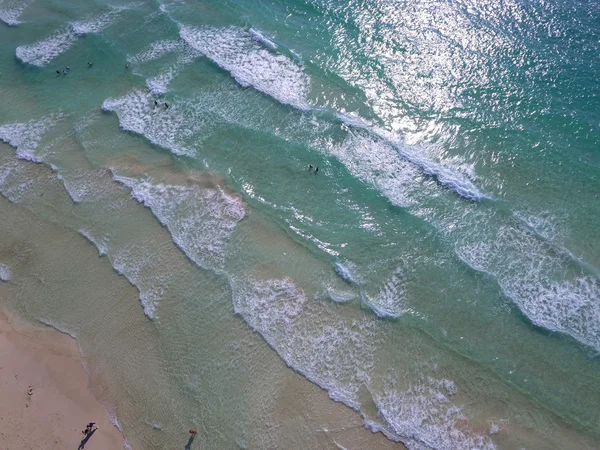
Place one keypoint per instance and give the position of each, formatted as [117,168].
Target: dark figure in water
[166,105]
[64,72]
[317,170]
[127,66]
[90,64]
[58,72]
[155,103]
[310,166]
[67,67]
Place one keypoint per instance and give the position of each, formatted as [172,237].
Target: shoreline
[60,403]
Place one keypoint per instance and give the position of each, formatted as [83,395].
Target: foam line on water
[200,220]
[100,244]
[261,39]
[250,64]
[5,272]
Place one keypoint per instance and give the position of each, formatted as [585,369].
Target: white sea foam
[547,286]
[11,10]
[170,128]
[376,162]
[200,220]
[236,51]
[333,352]
[5,273]
[390,301]
[260,38]
[424,416]
[42,52]
[26,137]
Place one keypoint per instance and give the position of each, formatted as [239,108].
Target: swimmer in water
[90,64]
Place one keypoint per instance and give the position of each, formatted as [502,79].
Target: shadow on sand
[85,439]
[188,446]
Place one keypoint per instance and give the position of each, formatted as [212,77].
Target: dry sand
[60,405]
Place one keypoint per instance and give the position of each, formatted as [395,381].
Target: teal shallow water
[439,274]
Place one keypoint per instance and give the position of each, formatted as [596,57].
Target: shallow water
[438,275]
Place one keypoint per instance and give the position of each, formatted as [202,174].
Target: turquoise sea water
[439,274]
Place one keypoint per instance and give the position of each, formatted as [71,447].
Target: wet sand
[60,404]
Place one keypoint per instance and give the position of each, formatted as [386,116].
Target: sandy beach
[60,404]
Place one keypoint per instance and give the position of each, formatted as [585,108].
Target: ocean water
[439,276]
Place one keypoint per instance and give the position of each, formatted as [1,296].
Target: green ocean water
[438,275]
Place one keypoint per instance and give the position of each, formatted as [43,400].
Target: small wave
[58,327]
[159,84]
[250,64]
[200,220]
[447,176]
[550,288]
[157,50]
[260,38]
[332,352]
[93,25]
[10,11]
[42,52]
[164,127]
[389,302]
[26,137]
[344,273]
[100,244]
[423,416]
[5,273]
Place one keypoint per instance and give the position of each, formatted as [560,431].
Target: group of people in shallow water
[311,167]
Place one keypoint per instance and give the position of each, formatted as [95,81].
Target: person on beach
[90,427]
